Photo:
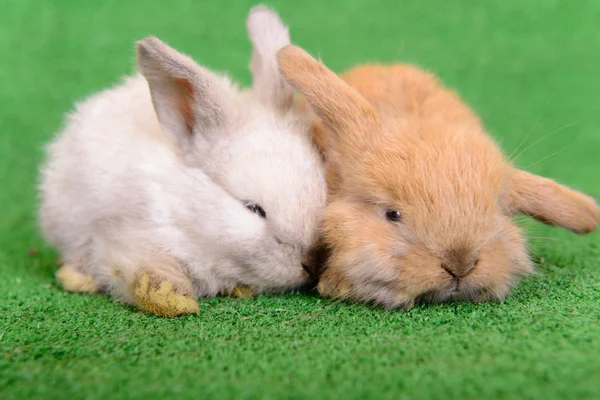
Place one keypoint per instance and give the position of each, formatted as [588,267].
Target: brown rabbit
[421,198]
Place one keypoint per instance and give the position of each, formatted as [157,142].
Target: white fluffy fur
[121,189]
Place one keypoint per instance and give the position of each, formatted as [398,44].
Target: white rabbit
[175,185]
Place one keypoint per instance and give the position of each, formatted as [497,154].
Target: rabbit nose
[459,262]
[313,260]
[309,270]
[460,271]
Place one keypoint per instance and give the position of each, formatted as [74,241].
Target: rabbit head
[255,145]
[421,202]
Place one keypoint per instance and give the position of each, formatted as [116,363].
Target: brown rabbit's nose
[459,262]
[459,271]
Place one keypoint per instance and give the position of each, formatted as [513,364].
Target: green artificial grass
[530,68]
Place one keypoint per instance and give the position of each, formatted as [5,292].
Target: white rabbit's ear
[189,100]
[268,34]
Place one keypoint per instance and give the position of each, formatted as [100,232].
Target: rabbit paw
[160,297]
[73,280]
[331,289]
[241,291]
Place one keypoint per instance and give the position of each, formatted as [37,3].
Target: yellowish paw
[162,299]
[72,280]
[241,291]
[341,290]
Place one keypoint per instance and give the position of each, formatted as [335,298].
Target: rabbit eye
[393,215]
[256,209]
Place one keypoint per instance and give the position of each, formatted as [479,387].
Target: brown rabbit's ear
[340,107]
[551,203]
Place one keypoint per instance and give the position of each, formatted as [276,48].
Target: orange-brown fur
[394,138]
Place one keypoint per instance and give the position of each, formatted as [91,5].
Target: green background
[529,68]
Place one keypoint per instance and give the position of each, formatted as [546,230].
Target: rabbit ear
[189,100]
[551,203]
[268,34]
[341,108]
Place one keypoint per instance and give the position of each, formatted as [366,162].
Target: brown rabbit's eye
[256,209]
[393,215]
